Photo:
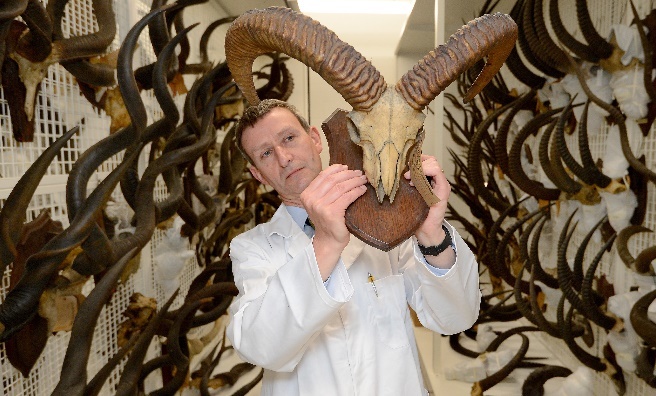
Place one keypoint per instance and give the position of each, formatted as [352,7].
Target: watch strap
[437,249]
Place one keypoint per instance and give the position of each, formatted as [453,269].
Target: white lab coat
[348,341]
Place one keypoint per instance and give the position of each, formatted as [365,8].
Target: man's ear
[257,175]
[316,138]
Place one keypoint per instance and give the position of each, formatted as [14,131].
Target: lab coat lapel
[296,241]
[294,238]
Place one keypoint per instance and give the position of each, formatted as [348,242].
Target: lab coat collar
[284,225]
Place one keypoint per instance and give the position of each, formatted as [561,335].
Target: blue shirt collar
[298,215]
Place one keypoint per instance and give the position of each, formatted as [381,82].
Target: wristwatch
[437,249]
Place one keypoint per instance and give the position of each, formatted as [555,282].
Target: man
[323,313]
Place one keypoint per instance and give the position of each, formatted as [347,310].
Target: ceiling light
[399,7]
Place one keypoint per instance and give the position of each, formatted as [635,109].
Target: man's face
[285,156]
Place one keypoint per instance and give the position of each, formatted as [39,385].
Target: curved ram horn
[257,32]
[580,49]
[490,35]
[622,243]
[385,122]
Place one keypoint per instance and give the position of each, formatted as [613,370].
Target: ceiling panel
[238,7]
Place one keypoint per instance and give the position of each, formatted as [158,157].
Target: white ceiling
[381,35]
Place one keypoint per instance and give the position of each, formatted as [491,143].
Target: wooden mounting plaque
[381,225]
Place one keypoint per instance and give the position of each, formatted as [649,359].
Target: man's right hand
[325,199]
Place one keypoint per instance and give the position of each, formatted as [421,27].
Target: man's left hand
[430,233]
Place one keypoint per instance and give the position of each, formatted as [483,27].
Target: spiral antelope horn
[19,306]
[8,11]
[384,143]
[132,369]
[73,378]
[86,46]
[12,214]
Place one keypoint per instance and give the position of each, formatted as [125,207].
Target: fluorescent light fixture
[392,7]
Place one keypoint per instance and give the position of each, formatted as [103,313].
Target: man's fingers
[349,197]
[332,183]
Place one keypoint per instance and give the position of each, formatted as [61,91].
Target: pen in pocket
[373,283]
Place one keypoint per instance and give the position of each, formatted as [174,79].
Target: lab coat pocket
[389,308]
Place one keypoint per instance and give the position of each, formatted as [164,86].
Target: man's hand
[430,233]
[326,199]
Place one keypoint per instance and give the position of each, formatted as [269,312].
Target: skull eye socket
[353,130]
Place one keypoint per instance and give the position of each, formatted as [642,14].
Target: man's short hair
[254,113]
